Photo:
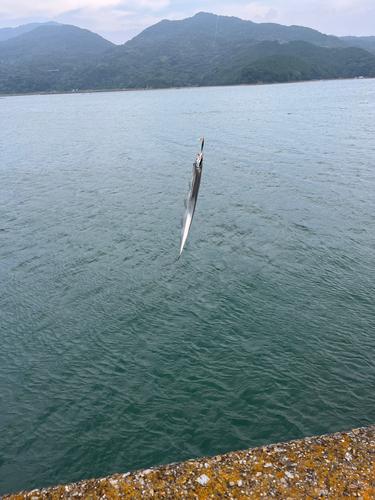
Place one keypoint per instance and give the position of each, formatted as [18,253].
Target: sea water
[111,359]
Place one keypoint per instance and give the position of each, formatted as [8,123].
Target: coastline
[333,466]
[176,88]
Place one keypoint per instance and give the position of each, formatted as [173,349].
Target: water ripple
[111,359]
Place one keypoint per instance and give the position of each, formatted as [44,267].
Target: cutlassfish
[192,197]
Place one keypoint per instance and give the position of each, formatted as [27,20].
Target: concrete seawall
[334,466]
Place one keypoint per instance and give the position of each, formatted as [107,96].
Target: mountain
[45,59]
[230,28]
[214,50]
[365,42]
[53,40]
[6,33]
[168,65]
[233,28]
[203,50]
[304,61]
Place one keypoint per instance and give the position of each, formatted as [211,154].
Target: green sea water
[111,359]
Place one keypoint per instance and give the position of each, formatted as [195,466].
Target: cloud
[271,14]
[244,11]
[129,17]
[46,8]
[337,17]
[342,4]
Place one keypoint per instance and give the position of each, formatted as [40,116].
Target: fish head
[198,161]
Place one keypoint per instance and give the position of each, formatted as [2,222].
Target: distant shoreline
[179,88]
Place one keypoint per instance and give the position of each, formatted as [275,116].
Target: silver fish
[192,197]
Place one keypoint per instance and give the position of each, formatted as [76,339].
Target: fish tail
[174,262]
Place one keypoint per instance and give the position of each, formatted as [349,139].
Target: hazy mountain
[212,50]
[169,65]
[6,33]
[231,28]
[55,40]
[365,42]
[300,60]
[203,50]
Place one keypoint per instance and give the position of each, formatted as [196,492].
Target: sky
[120,20]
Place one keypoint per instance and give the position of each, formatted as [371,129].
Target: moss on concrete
[334,466]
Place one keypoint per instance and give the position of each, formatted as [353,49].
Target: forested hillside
[6,33]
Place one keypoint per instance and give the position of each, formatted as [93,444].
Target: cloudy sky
[119,20]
